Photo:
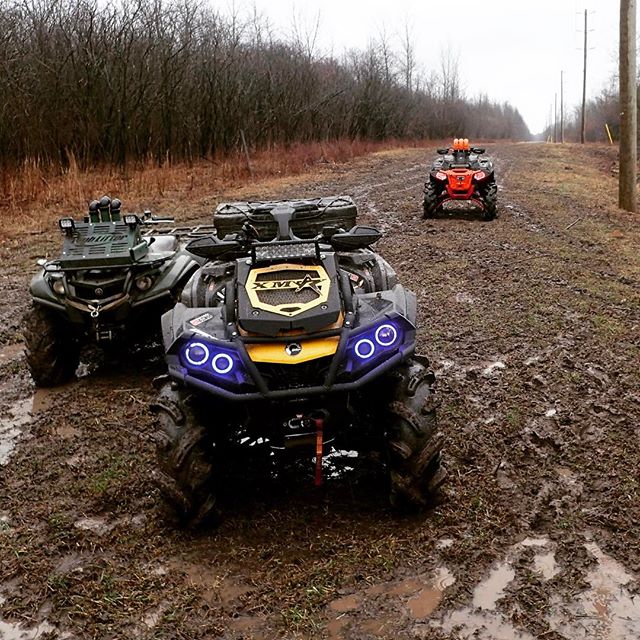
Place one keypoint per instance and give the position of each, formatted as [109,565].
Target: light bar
[284,251]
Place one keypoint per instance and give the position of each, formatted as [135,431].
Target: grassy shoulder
[35,195]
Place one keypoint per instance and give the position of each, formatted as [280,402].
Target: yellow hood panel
[276,352]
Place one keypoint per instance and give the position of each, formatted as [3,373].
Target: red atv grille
[460,180]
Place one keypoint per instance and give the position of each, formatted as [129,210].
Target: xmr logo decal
[288,289]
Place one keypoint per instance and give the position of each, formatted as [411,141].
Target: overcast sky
[512,50]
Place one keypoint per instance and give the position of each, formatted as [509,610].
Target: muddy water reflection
[488,592]
[15,420]
[10,631]
[605,611]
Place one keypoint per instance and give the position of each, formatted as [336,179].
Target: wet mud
[532,324]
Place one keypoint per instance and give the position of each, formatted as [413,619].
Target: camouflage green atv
[110,284]
[292,345]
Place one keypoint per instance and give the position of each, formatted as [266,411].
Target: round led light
[58,287]
[386,335]
[196,353]
[222,363]
[364,348]
[144,283]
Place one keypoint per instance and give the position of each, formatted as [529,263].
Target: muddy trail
[532,323]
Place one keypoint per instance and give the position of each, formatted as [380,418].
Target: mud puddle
[10,631]
[10,353]
[19,415]
[413,598]
[605,611]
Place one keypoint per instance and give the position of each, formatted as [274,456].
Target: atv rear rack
[198,231]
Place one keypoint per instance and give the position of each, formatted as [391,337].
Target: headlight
[374,344]
[58,286]
[364,348]
[440,175]
[386,335]
[479,175]
[143,283]
[212,362]
[196,353]
[222,363]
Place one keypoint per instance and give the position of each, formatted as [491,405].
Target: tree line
[604,108]
[146,78]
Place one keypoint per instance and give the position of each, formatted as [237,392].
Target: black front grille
[295,376]
[98,286]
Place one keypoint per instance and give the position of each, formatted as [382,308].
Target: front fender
[172,276]
[42,293]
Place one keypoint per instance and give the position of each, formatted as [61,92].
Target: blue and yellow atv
[292,344]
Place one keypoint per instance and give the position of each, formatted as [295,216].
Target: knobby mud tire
[490,200]
[52,353]
[430,203]
[413,440]
[184,471]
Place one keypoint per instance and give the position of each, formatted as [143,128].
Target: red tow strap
[319,450]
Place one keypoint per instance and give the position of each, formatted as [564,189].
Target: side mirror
[211,247]
[442,152]
[358,238]
[478,150]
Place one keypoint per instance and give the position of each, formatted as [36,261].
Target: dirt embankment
[532,323]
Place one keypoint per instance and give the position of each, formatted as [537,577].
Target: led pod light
[212,362]
[440,175]
[479,175]
[373,344]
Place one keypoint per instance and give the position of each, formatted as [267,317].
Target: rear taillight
[479,175]
[440,175]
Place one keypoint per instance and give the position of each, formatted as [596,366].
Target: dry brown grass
[35,194]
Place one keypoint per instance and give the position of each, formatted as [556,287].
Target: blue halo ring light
[364,348]
[196,353]
[222,363]
[386,335]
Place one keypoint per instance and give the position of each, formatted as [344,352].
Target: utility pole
[627,191]
[583,122]
[562,107]
[555,117]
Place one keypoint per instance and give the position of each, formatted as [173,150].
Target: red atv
[460,174]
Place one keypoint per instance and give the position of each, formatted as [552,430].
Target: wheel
[430,204]
[52,352]
[490,198]
[184,453]
[413,441]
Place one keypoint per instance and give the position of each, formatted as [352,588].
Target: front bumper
[243,379]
